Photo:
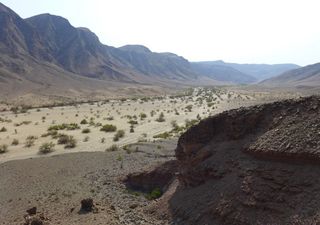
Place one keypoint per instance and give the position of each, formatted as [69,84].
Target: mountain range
[46,55]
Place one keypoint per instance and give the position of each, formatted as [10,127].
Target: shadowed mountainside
[308,76]
[251,165]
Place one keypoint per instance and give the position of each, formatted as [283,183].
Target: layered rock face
[257,165]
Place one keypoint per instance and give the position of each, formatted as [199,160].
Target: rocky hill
[256,165]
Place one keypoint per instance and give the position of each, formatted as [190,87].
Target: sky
[242,31]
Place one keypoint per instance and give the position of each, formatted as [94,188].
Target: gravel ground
[56,185]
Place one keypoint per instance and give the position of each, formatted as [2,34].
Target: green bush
[108,128]
[46,148]
[154,194]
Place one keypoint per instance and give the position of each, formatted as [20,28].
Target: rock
[87,205]
[36,221]
[32,211]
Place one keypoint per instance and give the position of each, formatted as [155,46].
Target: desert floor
[34,123]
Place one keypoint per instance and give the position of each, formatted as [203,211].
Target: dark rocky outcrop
[160,177]
[256,165]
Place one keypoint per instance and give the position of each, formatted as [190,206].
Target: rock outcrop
[257,165]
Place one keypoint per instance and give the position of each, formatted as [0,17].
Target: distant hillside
[45,55]
[308,76]
[223,73]
[259,71]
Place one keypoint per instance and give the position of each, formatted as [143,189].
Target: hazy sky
[244,31]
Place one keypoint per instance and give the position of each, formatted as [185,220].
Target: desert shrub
[3,148]
[52,133]
[164,135]
[71,142]
[46,148]
[67,140]
[131,129]
[118,135]
[190,123]
[110,118]
[113,148]
[108,128]
[64,126]
[15,142]
[86,131]
[143,116]
[3,129]
[161,118]
[30,141]
[84,121]
[103,140]
[133,122]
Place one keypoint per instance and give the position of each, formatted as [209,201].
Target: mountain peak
[135,48]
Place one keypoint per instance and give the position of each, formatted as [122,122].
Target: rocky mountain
[259,71]
[308,76]
[46,55]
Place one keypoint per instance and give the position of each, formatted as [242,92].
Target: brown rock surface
[257,165]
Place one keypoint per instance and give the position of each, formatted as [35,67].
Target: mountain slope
[304,76]
[222,73]
[259,71]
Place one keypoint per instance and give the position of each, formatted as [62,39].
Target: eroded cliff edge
[256,165]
